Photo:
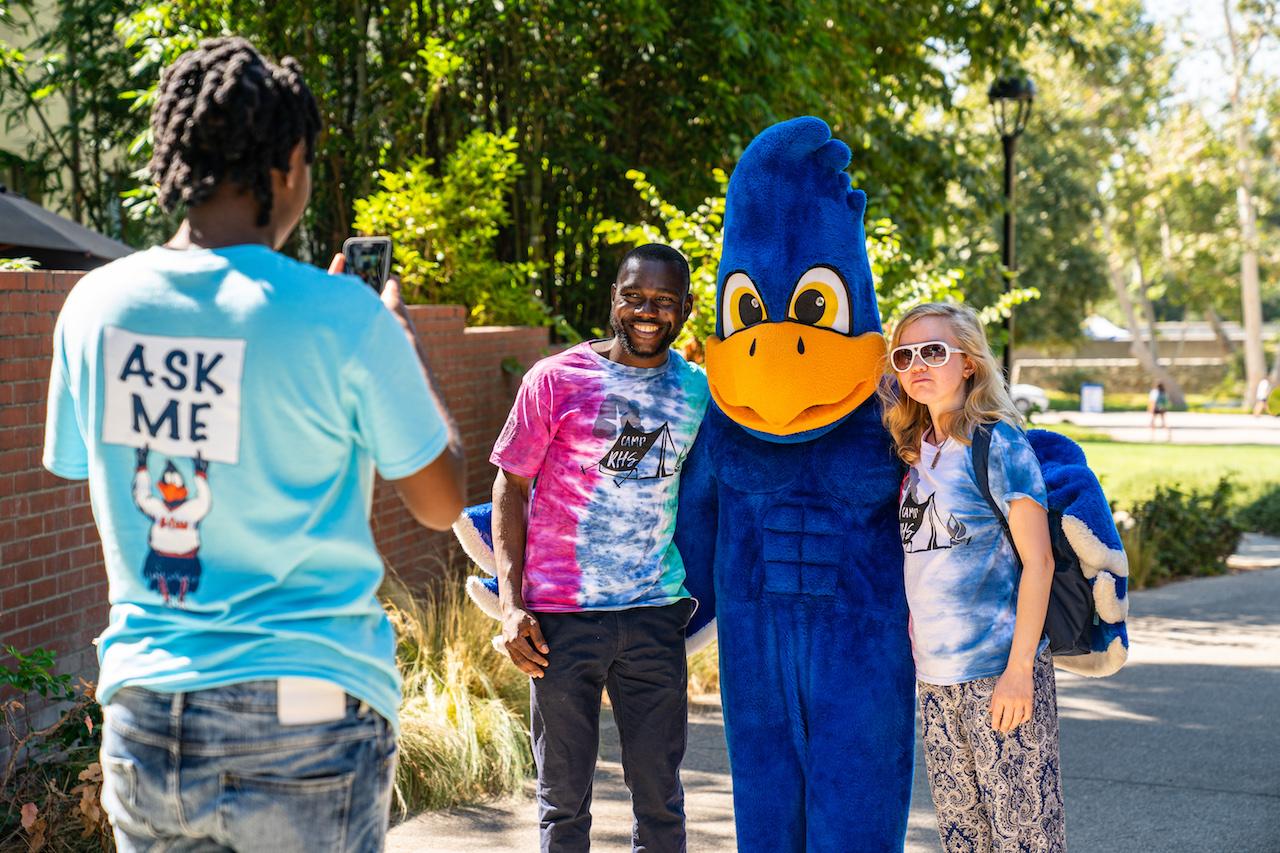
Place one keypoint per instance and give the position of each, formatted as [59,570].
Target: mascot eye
[741,305]
[821,299]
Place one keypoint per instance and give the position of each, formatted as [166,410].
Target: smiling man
[590,583]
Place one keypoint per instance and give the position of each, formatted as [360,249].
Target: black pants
[638,656]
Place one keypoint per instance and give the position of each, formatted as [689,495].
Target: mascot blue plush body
[788,522]
[788,512]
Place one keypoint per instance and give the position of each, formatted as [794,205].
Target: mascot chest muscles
[801,520]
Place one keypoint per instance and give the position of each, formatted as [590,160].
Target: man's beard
[662,344]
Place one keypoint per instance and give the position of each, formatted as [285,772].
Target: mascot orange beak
[173,493]
[787,378]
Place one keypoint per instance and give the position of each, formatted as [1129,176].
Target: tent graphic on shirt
[639,455]
[920,524]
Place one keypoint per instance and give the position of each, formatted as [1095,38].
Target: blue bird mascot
[788,518]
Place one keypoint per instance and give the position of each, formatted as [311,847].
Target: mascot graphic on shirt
[788,523]
[173,563]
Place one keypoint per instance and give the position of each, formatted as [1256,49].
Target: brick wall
[52,584]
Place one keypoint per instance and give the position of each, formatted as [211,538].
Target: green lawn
[1129,472]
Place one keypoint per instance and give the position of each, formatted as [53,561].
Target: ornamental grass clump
[463,731]
[704,672]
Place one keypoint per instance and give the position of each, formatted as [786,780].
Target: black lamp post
[1011,99]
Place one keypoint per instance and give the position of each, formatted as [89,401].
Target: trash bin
[1091,397]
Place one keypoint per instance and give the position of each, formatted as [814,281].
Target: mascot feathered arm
[696,526]
[474,529]
[1090,531]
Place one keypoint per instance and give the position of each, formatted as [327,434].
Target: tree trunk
[1148,309]
[1138,346]
[1219,331]
[535,205]
[1255,366]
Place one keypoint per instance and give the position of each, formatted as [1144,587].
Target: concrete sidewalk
[1178,753]
[1184,427]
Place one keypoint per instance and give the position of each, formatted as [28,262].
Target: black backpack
[1071,611]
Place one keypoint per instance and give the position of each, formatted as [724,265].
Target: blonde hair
[986,397]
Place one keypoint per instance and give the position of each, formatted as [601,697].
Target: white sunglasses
[932,354]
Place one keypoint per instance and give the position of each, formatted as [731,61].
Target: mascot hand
[202,466]
[474,529]
[141,455]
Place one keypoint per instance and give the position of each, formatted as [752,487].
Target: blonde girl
[985,679]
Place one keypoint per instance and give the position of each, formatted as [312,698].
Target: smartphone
[370,259]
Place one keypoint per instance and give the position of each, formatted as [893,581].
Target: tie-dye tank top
[605,443]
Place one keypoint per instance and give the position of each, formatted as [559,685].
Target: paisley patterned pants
[994,793]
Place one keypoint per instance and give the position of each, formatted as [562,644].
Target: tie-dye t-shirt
[961,570]
[605,442]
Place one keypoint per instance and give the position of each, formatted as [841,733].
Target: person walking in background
[590,583]
[1158,408]
[986,689]
[226,401]
[1260,396]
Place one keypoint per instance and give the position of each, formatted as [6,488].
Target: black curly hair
[224,113]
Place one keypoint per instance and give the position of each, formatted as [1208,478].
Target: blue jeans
[215,770]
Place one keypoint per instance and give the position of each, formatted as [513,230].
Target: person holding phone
[228,406]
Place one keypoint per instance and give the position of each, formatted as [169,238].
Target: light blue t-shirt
[961,569]
[228,408]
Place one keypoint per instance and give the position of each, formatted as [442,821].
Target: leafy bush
[51,782]
[1263,514]
[444,229]
[1176,533]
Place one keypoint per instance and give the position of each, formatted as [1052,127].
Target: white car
[1029,398]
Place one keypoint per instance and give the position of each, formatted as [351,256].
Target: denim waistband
[233,719]
[258,696]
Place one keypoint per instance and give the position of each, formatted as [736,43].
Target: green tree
[592,89]
[63,83]
[1088,107]
[1251,27]
[902,281]
[444,228]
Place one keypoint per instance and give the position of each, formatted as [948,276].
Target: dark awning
[26,225]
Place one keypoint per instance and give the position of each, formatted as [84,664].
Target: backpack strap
[981,446]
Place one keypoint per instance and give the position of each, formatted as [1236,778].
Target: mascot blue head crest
[797,345]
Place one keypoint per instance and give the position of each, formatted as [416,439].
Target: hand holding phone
[370,259]
[390,292]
